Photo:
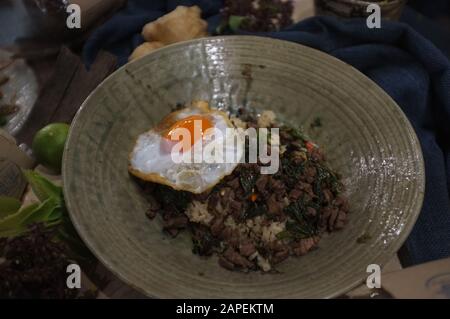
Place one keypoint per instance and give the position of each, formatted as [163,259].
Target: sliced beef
[295,194]
[179,221]
[342,203]
[310,171]
[217,226]
[154,207]
[237,259]
[311,212]
[327,195]
[173,232]
[306,187]
[234,183]
[341,220]
[261,184]
[280,256]
[274,205]
[304,194]
[303,246]
[225,263]
[247,249]
[151,213]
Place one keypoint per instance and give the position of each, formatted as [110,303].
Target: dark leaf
[248,180]
[254,209]
[8,205]
[235,22]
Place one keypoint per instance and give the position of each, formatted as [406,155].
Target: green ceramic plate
[365,134]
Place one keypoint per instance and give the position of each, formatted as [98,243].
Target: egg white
[149,162]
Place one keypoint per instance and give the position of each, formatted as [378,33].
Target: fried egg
[153,158]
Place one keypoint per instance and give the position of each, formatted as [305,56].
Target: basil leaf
[15,220]
[42,213]
[55,215]
[35,213]
[12,232]
[248,180]
[234,22]
[42,187]
[8,206]
[298,133]
[284,235]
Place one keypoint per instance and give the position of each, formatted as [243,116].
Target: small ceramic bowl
[390,9]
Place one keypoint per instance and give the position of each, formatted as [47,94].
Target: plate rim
[415,143]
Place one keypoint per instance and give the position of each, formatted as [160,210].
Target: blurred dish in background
[19,90]
[390,9]
[256,16]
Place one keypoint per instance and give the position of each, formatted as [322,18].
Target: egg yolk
[189,124]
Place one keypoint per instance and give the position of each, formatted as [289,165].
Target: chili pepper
[310,146]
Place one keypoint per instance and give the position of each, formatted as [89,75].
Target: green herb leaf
[291,169]
[298,134]
[43,188]
[234,22]
[14,223]
[296,210]
[13,232]
[34,213]
[8,206]
[197,247]
[253,210]
[317,122]
[301,226]
[43,213]
[55,215]
[248,179]
[51,212]
[326,176]
[285,234]
[221,28]
[300,230]
[171,198]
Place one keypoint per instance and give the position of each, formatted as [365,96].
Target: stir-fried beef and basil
[254,221]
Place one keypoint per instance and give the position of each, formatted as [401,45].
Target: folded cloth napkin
[406,65]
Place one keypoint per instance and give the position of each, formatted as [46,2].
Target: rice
[238,123]
[269,233]
[262,262]
[197,212]
[266,119]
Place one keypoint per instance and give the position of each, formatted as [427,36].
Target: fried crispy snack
[145,48]
[184,23]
